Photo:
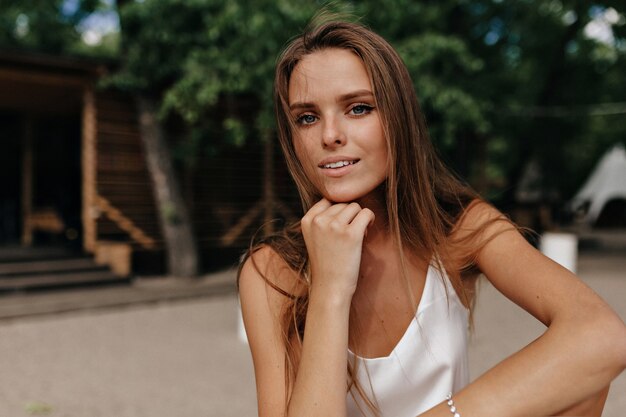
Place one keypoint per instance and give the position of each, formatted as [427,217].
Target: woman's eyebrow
[344,97]
[301,105]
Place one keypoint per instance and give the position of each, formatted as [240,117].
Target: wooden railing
[126,224]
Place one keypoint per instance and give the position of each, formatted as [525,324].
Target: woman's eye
[360,109]
[306,119]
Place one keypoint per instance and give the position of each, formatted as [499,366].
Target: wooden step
[47,266]
[20,254]
[59,280]
[39,268]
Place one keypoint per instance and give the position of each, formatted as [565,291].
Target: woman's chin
[342,197]
[337,198]
[340,200]
[348,196]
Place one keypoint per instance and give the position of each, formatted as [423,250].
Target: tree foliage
[209,61]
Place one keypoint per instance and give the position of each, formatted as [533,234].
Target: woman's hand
[334,235]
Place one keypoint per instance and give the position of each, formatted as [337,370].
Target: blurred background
[137,141]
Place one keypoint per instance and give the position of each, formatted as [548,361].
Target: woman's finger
[348,213]
[363,219]
[331,212]
[317,208]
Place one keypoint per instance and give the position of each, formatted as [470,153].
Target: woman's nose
[332,134]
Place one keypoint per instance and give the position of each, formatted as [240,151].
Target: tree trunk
[180,243]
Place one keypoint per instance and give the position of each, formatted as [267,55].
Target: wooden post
[268,183]
[88,156]
[27,180]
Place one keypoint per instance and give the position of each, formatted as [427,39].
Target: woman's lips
[337,167]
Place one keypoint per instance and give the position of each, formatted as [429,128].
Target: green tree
[548,74]
[192,54]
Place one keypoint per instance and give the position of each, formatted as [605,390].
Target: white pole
[241,330]
[561,248]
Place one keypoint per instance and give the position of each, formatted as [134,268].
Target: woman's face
[338,137]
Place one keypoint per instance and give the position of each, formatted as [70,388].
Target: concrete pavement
[181,356]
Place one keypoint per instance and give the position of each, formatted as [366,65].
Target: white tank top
[429,361]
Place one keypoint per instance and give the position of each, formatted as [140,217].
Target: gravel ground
[185,359]
[175,359]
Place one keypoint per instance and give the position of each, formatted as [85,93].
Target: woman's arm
[334,236]
[581,352]
[261,307]
[320,386]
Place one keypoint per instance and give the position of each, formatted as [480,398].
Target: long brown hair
[424,200]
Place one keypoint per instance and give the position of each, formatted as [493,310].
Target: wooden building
[73,172]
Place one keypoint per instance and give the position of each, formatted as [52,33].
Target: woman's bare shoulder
[477,213]
[479,223]
[264,271]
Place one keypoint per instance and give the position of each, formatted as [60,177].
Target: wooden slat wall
[121,175]
[220,191]
[225,188]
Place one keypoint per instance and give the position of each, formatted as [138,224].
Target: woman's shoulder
[264,270]
[481,217]
[478,225]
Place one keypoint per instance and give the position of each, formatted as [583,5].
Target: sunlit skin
[332,102]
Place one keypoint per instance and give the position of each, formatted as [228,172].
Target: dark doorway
[57,175]
[55,178]
[10,179]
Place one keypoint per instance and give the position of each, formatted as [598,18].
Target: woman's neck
[379,231]
[380,242]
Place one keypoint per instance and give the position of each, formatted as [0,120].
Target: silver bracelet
[452,406]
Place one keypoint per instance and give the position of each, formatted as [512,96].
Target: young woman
[362,307]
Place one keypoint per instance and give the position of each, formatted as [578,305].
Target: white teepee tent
[606,182]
